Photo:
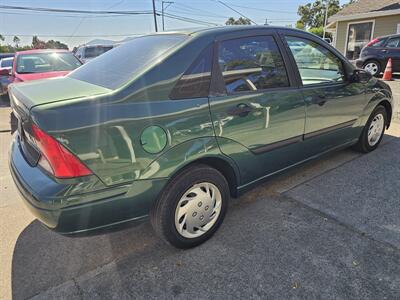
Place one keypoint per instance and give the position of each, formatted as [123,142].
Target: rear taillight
[55,158]
[374,41]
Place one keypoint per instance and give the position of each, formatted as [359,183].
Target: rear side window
[251,63]
[195,83]
[393,43]
[316,64]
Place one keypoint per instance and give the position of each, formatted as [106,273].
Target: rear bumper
[48,200]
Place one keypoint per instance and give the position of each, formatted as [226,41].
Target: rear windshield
[46,62]
[94,51]
[116,67]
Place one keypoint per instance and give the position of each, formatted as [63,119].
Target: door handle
[384,50]
[240,110]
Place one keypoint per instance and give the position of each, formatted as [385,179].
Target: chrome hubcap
[371,68]
[198,210]
[375,130]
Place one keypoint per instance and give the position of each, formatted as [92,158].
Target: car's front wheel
[373,131]
[373,67]
[191,207]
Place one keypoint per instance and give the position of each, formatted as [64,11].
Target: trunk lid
[29,94]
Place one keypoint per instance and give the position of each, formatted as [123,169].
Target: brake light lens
[374,41]
[56,159]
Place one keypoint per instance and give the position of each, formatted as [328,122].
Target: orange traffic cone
[388,71]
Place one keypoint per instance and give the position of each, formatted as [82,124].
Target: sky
[75,29]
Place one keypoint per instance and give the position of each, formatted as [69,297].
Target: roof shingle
[366,6]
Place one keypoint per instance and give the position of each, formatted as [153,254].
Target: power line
[58,10]
[263,9]
[190,20]
[226,5]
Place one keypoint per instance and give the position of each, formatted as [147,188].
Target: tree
[16,41]
[56,45]
[240,21]
[312,15]
[37,43]
[1,38]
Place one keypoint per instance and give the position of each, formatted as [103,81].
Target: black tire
[363,144]
[162,215]
[378,64]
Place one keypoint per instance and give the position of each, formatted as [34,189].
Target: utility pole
[266,21]
[162,11]
[155,16]
[326,19]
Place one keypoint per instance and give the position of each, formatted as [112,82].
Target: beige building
[358,23]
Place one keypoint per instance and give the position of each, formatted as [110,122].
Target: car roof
[222,29]
[388,36]
[231,28]
[40,51]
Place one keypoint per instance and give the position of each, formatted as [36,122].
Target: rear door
[333,102]
[393,51]
[256,107]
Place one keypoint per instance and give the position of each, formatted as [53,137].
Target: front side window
[195,82]
[316,64]
[46,62]
[251,63]
[393,43]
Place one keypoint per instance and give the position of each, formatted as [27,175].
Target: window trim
[322,84]
[211,45]
[219,87]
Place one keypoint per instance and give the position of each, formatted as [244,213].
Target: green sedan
[171,126]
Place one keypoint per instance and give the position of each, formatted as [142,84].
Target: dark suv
[374,56]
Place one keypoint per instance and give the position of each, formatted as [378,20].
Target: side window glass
[316,64]
[252,63]
[195,82]
[393,43]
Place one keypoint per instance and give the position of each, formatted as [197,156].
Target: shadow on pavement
[269,246]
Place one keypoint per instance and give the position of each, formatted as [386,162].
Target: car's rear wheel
[373,67]
[191,207]
[373,131]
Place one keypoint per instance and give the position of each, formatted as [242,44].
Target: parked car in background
[37,64]
[86,53]
[170,126]
[5,55]
[6,63]
[375,55]
[43,63]
[5,78]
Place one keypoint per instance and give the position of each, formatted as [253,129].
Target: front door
[259,110]
[333,103]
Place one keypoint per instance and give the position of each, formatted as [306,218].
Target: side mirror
[361,76]
[5,72]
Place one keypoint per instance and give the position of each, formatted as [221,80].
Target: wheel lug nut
[194,214]
[200,204]
[206,208]
[201,218]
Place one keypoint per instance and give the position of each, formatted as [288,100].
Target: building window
[358,35]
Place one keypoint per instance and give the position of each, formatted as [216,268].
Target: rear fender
[175,159]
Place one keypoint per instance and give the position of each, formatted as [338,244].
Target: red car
[42,63]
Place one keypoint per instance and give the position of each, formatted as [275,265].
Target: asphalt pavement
[328,229]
